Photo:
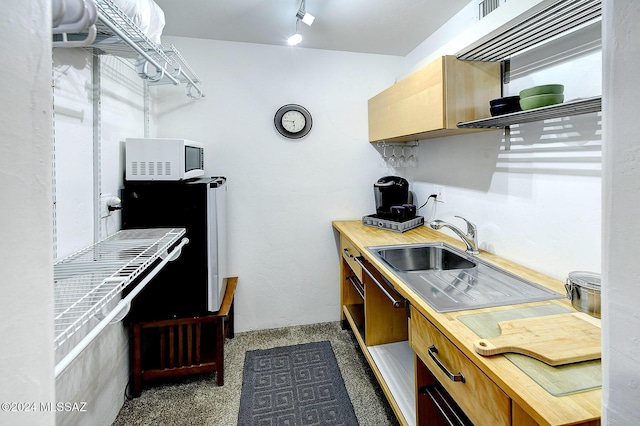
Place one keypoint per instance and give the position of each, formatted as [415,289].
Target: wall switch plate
[104,208]
[439,191]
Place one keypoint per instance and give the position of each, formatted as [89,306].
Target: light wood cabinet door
[431,101]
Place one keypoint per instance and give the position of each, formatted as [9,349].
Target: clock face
[293,121]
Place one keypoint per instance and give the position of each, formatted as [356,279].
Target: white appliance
[163,159]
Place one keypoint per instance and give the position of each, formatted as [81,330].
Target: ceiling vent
[485,7]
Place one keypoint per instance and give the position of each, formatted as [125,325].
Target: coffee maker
[390,193]
[394,208]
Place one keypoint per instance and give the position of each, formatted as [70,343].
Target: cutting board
[552,339]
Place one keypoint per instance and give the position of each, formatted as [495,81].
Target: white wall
[98,377]
[283,194]
[621,203]
[537,203]
[26,330]
[256,77]
[464,29]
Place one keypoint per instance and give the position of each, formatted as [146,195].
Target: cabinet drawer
[348,253]
[481,399]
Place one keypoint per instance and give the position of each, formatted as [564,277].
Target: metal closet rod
[92,31]
[124,303]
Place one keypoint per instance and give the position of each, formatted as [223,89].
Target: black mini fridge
[194,284]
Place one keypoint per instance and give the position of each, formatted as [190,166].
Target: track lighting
[304,16]
[295,38]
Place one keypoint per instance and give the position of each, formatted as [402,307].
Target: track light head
[305,17]
[294,39]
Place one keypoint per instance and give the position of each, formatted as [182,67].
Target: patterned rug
[294,386]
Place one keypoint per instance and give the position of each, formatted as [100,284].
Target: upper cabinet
[430,102]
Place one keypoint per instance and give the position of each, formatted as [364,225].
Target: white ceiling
[390,27]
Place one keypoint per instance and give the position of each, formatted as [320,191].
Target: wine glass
[402,161]
[393,160]
[412,161]
[385,159]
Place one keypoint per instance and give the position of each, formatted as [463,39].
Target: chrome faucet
[470,238]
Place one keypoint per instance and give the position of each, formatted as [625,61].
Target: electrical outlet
[104,210]
[439,191]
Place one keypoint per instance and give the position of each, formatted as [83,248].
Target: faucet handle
[471,228]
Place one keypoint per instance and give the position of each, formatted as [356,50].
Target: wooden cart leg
[136,382]
[231,332]
[220,350]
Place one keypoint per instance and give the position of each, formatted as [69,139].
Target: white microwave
[163,159]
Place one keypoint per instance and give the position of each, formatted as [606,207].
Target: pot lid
[585,279]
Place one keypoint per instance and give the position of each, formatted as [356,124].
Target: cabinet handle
[396,303]
[346,252]
[454,377]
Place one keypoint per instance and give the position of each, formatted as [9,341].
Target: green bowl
[538,101]
[545,89]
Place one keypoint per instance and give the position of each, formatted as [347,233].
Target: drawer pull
[346,252]
[454,377]
[396,303]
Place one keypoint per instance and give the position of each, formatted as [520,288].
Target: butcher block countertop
[579,407]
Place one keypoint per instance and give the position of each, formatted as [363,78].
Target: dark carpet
[294,386]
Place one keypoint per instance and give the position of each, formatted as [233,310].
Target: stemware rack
[395,161]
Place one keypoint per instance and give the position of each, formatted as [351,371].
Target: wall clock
[293,121]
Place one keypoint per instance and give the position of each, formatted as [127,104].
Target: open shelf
[395,363]
[355,317]
[391,363]
[542,23]
[577,107]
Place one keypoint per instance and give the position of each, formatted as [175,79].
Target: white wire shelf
[119,36]
[87,283]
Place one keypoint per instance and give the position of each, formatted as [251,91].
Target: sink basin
[423,258]
[450,280]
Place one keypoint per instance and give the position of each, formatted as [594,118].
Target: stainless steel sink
[450,280]
[423,258]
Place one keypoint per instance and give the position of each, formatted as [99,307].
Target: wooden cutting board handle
[553,339]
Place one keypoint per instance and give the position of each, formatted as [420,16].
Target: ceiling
[390,27]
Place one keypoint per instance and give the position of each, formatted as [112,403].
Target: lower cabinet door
[434,405]
[480,398]
[437,408]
